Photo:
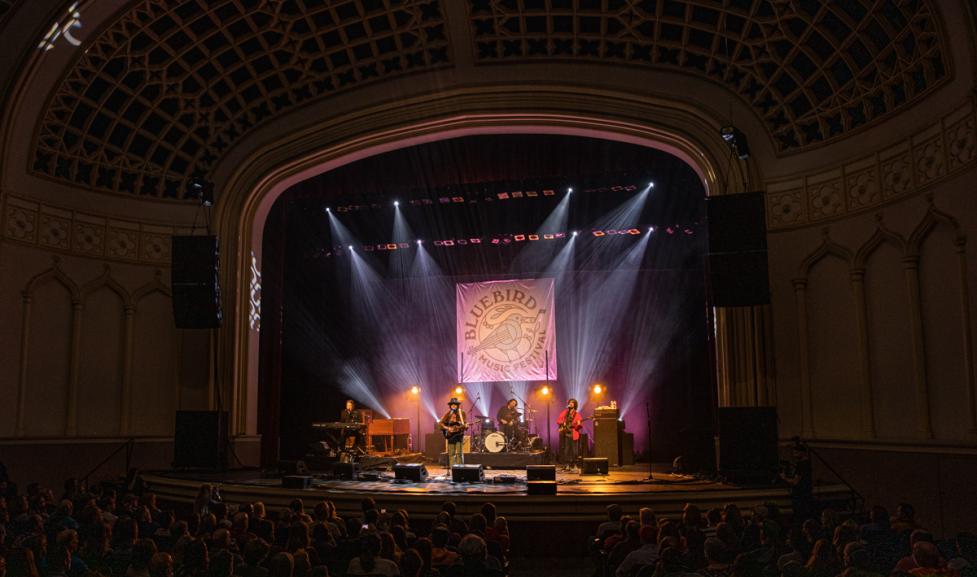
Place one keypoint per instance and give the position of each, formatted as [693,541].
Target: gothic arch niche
[46,378]
[937,242]
[155,365]
[889,333]
[832,343]
[102,359]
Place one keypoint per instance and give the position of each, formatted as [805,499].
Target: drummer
[508,417]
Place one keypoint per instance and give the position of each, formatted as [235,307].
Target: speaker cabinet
[467,473]
[194,281]
[737,260]
[296,481]
[541,487]
[415,472]
[607,440]
[595,466]
[540,472]
[345,471]
[200,440]
[433,443]
[748,444]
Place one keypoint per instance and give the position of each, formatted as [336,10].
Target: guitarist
[453,424]
[508,418]
[570,424]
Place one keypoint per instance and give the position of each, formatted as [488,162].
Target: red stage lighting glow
[475,240]
[517,194]
[634,231]
[534,237]
[392,246]
[532,193]
[457,199]
[503,195]
[599,233]
[449,243]
[549,192]
[519,237]
[495,241]
[548,237]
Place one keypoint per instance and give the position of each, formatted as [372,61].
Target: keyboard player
[352,437]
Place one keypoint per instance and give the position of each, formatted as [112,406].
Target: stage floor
[579,497]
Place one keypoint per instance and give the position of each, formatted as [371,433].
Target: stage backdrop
[506,331]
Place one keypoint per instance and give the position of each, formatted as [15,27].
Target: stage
[579,498]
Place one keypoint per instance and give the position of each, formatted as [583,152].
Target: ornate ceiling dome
[165,89]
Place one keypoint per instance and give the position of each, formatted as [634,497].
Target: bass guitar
[568,428]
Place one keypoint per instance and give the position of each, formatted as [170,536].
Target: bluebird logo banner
[506,331]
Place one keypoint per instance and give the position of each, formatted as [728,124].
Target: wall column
[923,421]
[865,365]
[25,335]
[968,344]
[125,407]
[71,418]
[807,401]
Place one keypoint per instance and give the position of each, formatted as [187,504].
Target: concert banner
[506,329]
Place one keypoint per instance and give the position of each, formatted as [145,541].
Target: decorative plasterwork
[942,150]
[67,231]
[812,70]
[168,87]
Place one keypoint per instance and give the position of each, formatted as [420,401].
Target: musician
[570,424]
[453,424]
[508,418]
[352,437]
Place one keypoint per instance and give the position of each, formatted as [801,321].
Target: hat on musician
[454,401]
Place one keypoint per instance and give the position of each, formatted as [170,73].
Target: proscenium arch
[675,128]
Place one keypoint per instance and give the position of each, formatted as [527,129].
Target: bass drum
[494,442]
[535,443]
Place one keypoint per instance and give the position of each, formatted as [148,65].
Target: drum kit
[486,438]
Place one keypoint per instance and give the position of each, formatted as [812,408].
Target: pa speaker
[467,473]
[541,487]
[415,472]
[540,472]
[194,282]
[737,261]
[200,440]
[595,466]
[748,444]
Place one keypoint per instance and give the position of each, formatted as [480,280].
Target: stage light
[574,233]
[570,190]
[651,229]
[419,241]
[651,184]
[328,209]
[415,390]
[459,390]
[598,389]
[396,203]
[350,247]
[545,391]
[736,141]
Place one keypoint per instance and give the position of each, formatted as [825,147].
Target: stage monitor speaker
[748,444]
[607,440]
[296,482]
[737,222]
[194,282]
[540,472]
[467,473]
[541,487]
[595,466]
[416,472]
[200,440]
[344,471]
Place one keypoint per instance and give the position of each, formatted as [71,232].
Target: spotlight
[328,209]
[570,190]
[545,391]
[574,233]
[651,184]
[396,203]
[419,241]
[598,389]
[414,390]
[350,247]
[651,229]
[459,390]
[201,189]
[736,141]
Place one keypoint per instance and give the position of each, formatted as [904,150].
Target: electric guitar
[454,429]
[568,428]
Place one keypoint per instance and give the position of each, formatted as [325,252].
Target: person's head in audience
[265,529]
[411,563]
[920,535]
[646,515]
[473,551]
[632,531]
[691,516]
[259,510]
[423,547]
[353,527]
[320,512]
[829,520]
[770,535]
[879,516]
[905,512]
[370,546]
[856,556]
[670,561]
[161,565]
[398,519]
[388,547]
[142,553]
[648,535]
[824,560]
[501,526]
[733,517]
[166,519]
[321,534]
[281,565]
[715,552]
[298,537]
[489,512]
[449,507]
[399,535]
[614,513]
[221,540]
[439,537]
[926,555]
[296,506]
[477,524]
[367,504]
[714,516]
[812,530]
[68,539]
[195,557]
[843,535]
[303,565]
[256,551]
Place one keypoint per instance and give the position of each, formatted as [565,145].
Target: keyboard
[338,426]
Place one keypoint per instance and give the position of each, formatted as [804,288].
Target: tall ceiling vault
[166,88]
